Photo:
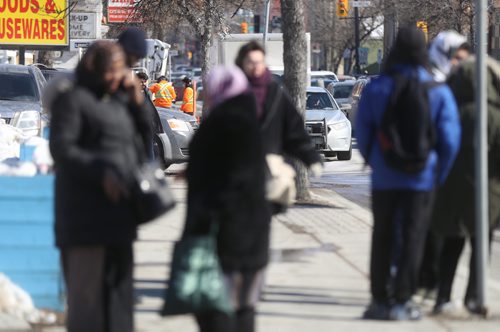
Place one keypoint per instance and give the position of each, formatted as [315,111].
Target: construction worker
[164,93]
[188,98]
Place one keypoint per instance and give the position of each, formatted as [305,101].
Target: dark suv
[21,97]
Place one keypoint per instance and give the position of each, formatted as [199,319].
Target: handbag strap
[274,107]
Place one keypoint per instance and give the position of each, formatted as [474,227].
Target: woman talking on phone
[94,145]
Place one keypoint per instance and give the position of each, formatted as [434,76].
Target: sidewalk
[317,281]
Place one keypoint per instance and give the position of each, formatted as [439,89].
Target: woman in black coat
[226,181]
[94,144]
[282,126]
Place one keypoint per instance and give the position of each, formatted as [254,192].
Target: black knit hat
[133,41]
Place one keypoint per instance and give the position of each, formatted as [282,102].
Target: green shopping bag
[196,281]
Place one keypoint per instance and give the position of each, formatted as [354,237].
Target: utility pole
[266,18]
[357,68]
[22,55]
[481,165]
[389,26]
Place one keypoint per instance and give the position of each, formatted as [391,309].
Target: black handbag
[153,197]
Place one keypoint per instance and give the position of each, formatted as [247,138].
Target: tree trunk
[206,41]
[295,75]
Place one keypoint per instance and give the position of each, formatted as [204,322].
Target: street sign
[121,11]
[76,44]
[363,55]
[34,23]
[173,53]
[82,25]
[361,3]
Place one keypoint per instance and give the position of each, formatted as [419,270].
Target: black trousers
[401,220]
[429,271]
[99,288]
[452,250]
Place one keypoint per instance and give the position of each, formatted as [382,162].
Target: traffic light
[422,25]
[342,8]
[244,27]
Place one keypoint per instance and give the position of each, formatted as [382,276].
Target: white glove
[316,170]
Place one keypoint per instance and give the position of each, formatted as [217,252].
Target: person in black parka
[282,126]
[226,185]
[94,143]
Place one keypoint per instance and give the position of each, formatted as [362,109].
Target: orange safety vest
[187,101]
[164,94]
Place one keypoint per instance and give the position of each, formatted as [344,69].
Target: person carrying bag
[227,213]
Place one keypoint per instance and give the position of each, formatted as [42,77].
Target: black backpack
[407,134]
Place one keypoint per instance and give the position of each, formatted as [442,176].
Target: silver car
[172,146]
[21,97]
[327,125]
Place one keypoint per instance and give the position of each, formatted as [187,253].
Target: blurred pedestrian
[93,142]
[282,126]
[446,51]
[403,200]
[133,42]
[164,93]
[455,212]
[227,189]
[188,97]
[143,78]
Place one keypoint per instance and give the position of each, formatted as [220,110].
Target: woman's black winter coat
[283,129]
[89,134]
[226,183]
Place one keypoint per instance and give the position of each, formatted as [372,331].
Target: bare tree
[295,75]
[206,18]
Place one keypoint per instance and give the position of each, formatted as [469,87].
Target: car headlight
[178,125]
[28,121]
[339,126]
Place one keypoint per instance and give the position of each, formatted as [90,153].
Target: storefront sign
[34,22]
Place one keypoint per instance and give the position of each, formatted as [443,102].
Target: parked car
[328,126]
[21,97]
[357,90]
[52,73]
[342,93]
[324,74]
[171,146]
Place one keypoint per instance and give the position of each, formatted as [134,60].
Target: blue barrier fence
[27,253]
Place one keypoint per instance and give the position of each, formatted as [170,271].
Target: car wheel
[345,155]
[158,153]
[330,154]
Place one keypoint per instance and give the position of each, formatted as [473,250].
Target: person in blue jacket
[402,202]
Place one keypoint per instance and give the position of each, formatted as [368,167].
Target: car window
[318,101]
[18,87]
[342,91]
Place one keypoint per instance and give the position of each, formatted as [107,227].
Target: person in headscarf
[454,216]
[447,50]
[402,202]
[226,186]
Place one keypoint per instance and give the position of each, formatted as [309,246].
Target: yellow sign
[34,22]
